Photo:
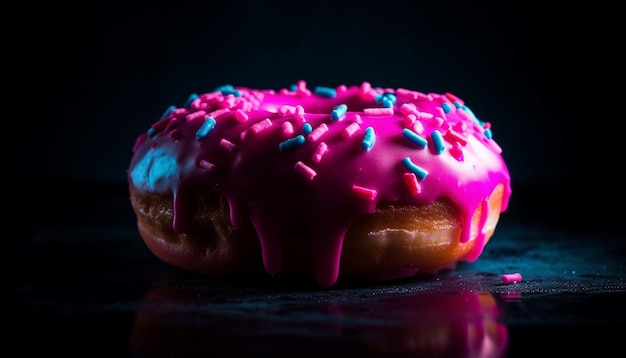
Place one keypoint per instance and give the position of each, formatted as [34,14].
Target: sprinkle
[228,145]
[287,128]
[409,120]
[350,130]
[418,127]
[457,151]
[438,144]
[368,139]
[317,132]
[233,92]
[339,112]
[174,134]
[171,124]
[168,111]
[511,278]
[206,165]
[414,138]
[419,172]
[219,113]
[260,126]
[287,109]
[453,99]
[291,143]
[488,133]
[366,193]
[195,115]
[378,111]
[409,108]
[205,128]
[190,99]
[325,92]
[151,132]
[319,152]
[446,107]
[224,88]
[410,180]
[388,100]
[365,88]
[454,137]
[307,128]
[241,116]
[305,170]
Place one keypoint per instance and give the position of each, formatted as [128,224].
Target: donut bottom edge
[396,241]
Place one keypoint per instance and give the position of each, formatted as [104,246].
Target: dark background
[85,78]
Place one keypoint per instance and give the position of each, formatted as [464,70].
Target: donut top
[306,163]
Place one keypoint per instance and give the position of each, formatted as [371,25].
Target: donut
[345,182]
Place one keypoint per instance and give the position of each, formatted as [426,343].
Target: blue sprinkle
[458,104]
[293,88]
[488,133]
[378,98]
[446,108]
[234,92]
[419,172]
[437,141]
[151,132]
[191,98]
[307,128]
[205,128]
[338,112]
[291,143]
[325,92]
[414,138]
[387,103]
[168,111]
[369,139]
[224,88]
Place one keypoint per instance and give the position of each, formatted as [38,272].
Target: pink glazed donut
[329,183]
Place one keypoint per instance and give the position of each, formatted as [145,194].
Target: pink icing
[252,146]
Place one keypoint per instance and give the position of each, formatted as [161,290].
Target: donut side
[397,240]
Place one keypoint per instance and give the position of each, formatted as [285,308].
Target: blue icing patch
[154,171]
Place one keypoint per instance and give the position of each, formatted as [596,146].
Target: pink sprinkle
[365,193]
[218,113]
[171,125]
[378,111]
[178,112]
[301,89]
[195,104]
[441,112]
[206,165]
[195,115]
[260,126]
[162,124]
[401,92]
[228,145]
[241,116]
[299,110]
[453,98]
[287,129]
[365,88]
[228,102]
[425,115]
[452,136]
[409,120]
[317,132]
[457,151]
[319,152]
[357,118]
[341,88]
[174,134]
[409,108]
[511,278]
[439,121]
[418,127]
[410,180]
[305,170]
[350,130]
[286,109]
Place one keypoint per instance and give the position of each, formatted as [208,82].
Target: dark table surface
[77,281]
